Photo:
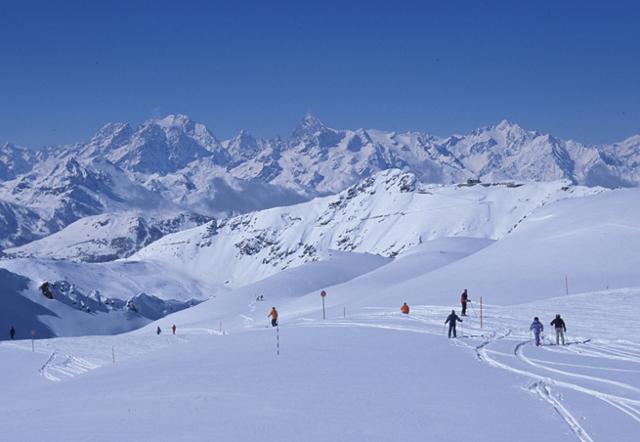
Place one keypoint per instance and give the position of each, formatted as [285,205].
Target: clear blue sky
[571,68]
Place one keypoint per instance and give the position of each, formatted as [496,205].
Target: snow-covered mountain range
[176,165]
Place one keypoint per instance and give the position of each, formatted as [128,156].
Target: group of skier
[536,327]
[558,324]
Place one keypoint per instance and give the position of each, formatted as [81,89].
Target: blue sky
[571,68]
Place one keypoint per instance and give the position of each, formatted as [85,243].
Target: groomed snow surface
[368,372]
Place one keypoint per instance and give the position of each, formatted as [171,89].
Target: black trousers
[464,309]
[452,329]
[274,322]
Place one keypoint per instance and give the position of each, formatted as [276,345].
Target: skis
[570,343]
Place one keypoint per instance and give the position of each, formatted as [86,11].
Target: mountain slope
[106,237]
[386,214]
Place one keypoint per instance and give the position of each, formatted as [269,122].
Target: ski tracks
[544,392]
[556,378]
[540,387]
[68,366]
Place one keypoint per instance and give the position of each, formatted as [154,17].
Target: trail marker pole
[344,312]
[481,312]
[278,340]
[113,354]
[33,345]
[323,294]
[220,328]
[566,284]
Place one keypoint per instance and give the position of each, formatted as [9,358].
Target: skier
[173,329]
[561,329]
[12,332]
[451,320]
[537,328]
[464,298]
[274,317]
[405,308]
[158,330]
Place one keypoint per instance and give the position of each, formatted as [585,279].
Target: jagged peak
[505,124]
[244,135]
[504,129]
[112,129]
[311,120]
[173,121]
[308,124]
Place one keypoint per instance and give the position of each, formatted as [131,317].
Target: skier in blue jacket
[537,328]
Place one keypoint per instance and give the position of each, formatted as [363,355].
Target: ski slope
[372,375]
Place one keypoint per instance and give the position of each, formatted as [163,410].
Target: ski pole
[473,311]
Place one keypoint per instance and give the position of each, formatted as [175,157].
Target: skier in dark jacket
[451,320]
[560,328]
[464,298]
[12,332]
[537,328]
[158,330]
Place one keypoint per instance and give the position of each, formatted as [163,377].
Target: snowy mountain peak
[244,136]
[111,129]
[174,121]
[507,131]
[242,147]
[506,125]
[111,135]
[309,125]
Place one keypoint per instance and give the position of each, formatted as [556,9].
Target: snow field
[375,375]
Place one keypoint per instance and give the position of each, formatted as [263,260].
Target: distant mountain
[387,214]
[106,237]
[172,165]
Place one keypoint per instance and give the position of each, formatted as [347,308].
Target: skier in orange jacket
[405,308]
[274,317]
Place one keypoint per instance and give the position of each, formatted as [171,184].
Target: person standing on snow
[405,308]
[274,317]
[464,298]
[561,329]
[173,329]
[158,330]
[451,320]
[12,333]
[537,328]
